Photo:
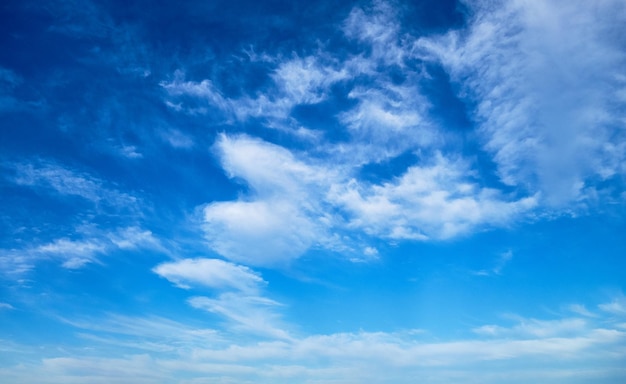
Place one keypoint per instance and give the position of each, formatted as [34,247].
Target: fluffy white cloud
[544,77]
[213,273]
[284,217]
[435,201]
[269,169]
[265,232]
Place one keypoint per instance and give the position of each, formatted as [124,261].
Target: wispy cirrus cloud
[615,307]
[67,182]
[245,313]
[78,251]
[545,79]
[297,81]
[237,294]
[545,348]
[377,26]
[148,333]
[9,80]
[502,260]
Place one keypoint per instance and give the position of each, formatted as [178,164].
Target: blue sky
[334,192]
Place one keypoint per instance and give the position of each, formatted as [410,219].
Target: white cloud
[135,237]
[536,350]
[387,121]
[283,218]
[616,307]
[581,310]
[500,263]
[304,81]
[434,201]
[531,328]
[76,253]
[6,306]
[379,28]
[542,76]
[269,169]
[293,205]
[296,81]
[202,90]
[265,232]
[213,273]
[177,139]
[152,333]
[130,152]
[69,182]
[250,314]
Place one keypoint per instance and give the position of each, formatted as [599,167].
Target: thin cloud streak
[593,344]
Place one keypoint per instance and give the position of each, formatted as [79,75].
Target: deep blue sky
[312,192]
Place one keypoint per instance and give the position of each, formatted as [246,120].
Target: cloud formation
[545,79]
[593,344]
[67,182]
[76,253]
[212,273]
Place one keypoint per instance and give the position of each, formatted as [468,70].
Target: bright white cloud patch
[212,273]
[283,218]
[259,233]
[435,201]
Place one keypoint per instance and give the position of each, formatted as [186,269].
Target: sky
[276,191]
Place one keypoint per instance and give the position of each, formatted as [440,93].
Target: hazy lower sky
[312,191]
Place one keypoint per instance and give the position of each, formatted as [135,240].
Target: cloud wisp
[540,346]
[238,294]
[77,253]
[545,79]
